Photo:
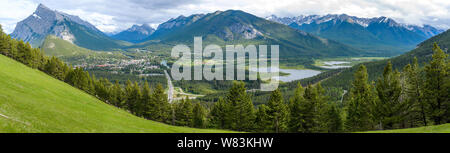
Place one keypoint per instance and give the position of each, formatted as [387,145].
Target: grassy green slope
[54,46]
[73,54]
[444,128]
[31,101]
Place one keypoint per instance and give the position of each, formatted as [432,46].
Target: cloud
[116,15]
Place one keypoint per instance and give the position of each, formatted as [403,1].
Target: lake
[294,74]
[335,64]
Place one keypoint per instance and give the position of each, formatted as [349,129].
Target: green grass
[444,128]
[73,54]
[31,101]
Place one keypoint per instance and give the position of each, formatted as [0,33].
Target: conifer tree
[297,110]
[263,121]
[184,113]
[160,110]
[310,110]
[358,107]
[333,119]
[219,114]
[146,100]
[277,111]
[413,94]
[241,114]
[199,116]
[118,95]
[389,109]
[436,92]
[321,108]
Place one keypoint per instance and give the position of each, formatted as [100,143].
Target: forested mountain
[241,27]
[44,22]
[135,34]
[380,36]
[423,53]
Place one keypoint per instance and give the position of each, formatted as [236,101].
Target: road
[170,86]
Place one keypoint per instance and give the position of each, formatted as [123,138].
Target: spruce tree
[413,94]
[184,113]
[333,119]
[160,110]
[310,110]
[241,114]
[146,100]
[263,121]
[277,111]
[321,108]
[436,92]
[219,114]
[358,107]
[199,116]
[297,110]
[389,109]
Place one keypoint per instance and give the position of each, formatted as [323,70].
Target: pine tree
[436,90]
[128,95]
[161,108]
[133,97]
[277,111]
[199,116]
[241,114]
[118,95]
[263,121]
[333,119]
[146,100]
[297,111]
[310,110]
[358,107]
[413,94]
[219,114]
[389,109]
[184,113]
[321,109]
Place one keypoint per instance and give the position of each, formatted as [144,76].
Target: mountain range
[235,26]
[379,35]
[44,21]
[135,34]
[303,36]
[423,53]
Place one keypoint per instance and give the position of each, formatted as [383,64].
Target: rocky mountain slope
[44,21]
[238,27]
[380,35]
[135,34]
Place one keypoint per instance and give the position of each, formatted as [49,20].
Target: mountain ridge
[135,34]
[235,26]
[379,35]
[44,21]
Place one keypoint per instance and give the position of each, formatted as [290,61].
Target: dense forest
[413,97]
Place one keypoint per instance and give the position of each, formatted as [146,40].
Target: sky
[112,16]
